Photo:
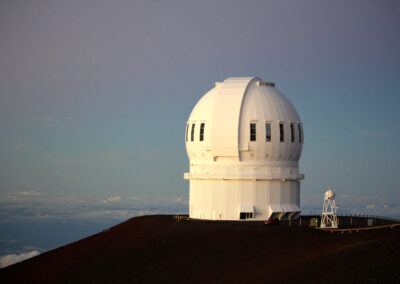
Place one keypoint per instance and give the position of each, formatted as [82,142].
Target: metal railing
[377,217]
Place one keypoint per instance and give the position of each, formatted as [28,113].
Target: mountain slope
[159,249]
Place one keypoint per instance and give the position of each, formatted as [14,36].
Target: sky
[94,98]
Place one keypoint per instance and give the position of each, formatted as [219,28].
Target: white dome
[329,194]
[227,112]
[244,140]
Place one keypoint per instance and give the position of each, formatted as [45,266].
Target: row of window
[253,132]
[202,125]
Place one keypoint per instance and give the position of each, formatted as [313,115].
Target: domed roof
[219,125]
[329,194]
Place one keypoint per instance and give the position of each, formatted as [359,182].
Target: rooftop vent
[269,84]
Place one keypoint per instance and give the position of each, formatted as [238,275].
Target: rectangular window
[202,132]
[187,130]
[292,132]
[252,132]
[282,134]
[192,133]
[300,133]
[268,132]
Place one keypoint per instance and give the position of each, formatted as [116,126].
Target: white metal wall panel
[226,117]
[261,200]
[224,200]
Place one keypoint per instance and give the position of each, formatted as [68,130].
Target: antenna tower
[329,216]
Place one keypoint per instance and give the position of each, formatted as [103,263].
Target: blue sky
[94,97]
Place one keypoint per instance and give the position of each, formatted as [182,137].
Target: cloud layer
[112,199]
[350,204]
[34,206]
[10,259]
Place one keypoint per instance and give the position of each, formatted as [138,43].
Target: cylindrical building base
[243,199]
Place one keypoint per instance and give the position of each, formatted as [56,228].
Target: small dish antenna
[329,216]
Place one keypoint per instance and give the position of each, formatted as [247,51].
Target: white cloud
[108,214]
[22,195]
[354,204]
[181,201]
[28,193]
[32,248]
[9,259]
[112,199]
[31,205]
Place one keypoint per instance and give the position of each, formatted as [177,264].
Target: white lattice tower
[329,216]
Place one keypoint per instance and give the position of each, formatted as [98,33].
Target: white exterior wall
[224,199]
[230,174]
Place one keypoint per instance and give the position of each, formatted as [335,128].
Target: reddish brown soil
[159,249]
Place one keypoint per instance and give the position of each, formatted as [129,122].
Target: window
[268,132]
[187,130]
[246,215]
[192,133]
[202,132]
[300,133]
[282,134]
[292,132]
[252,132]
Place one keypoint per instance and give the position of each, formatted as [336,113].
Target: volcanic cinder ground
[159,249]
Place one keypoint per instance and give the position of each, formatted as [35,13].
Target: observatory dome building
[244,140]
